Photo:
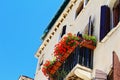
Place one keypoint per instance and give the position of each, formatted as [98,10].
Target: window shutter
[105,21]
[116,15]
[116,67]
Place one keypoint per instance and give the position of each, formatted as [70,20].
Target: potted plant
[89,38]
[89,41]
[48,66]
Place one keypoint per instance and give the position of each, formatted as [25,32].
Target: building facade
[98,19]
[22,77]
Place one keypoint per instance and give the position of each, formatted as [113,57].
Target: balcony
[79,73]
[77,66]
[73,55]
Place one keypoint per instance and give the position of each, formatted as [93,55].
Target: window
[82,4]
[39,65]
[105,26]
[79,34]
[63,30]
[86,57]
[40,62]
[116,14]
[80,7]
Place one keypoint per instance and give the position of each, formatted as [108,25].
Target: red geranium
[66,43]
[47,63]
[45,67]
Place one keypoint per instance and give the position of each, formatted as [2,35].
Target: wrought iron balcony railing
[80,55]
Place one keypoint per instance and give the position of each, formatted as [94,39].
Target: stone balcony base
[79,73]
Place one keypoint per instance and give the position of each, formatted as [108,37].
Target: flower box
[63,58]
[53,70]
[55,67]
[88,44]
[64,48]
[57,63]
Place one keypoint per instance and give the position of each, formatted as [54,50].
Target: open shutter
[104,21]
[116,67]
[116,14]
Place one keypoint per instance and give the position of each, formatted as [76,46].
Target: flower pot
[57,63]
[69,51]
[62,59]
[54,69]
[65,55]
[87,44]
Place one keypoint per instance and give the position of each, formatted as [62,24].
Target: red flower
[45,67]
[66,44]
[44,71]
[47,63]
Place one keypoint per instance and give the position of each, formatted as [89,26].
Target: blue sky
[22,22]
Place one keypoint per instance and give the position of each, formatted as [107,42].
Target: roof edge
[57,15]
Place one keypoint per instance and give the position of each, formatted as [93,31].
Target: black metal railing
[82,56]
